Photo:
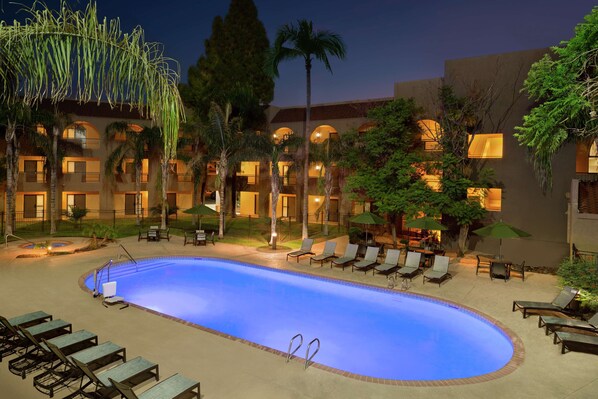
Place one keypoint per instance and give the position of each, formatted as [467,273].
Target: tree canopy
[564,85]
[70,53]
[233,60]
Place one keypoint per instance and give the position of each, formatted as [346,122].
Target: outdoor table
[500,267]
[200,238]
[427,255]
[153,234]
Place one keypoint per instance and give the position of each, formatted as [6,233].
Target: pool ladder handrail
[98,272]
[289,353]
[17,237]
[307,357]
[128,255]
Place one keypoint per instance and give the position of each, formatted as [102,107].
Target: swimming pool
[364,331]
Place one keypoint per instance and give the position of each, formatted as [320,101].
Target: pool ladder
[307,356]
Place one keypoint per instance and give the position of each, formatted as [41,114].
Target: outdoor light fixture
[317,199]
[274,236]
[318,167]
[318,135]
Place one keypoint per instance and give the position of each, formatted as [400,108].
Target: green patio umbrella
[501,230]
[425,223]
[367,218]
[201,210]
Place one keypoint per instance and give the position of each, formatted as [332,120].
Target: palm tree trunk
[138,194]
[327,194]
[164,166]
[304,230]
[222,172]
[275,183]
[53,178]
[11,173]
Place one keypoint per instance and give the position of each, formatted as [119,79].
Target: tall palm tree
[134,148]
[276,150]
[302,41]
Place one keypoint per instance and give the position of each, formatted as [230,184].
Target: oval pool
[365,331]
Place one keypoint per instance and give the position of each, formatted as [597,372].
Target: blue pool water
[365,331]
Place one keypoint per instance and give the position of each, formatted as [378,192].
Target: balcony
[81,178]
[31,181]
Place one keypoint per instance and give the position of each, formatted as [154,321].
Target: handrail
[17,237]
[307,357]
[128,254]
[99,272]
[289,353]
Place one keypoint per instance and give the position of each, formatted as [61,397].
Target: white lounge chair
[348,258]
[327,254]
[306,245]
[411,267]
[369,260]
[439,271]
[391,262]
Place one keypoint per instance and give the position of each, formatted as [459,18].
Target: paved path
[229,369]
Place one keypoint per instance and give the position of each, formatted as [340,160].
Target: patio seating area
[213,358]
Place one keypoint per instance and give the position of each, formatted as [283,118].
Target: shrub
[76,213]
[582,274]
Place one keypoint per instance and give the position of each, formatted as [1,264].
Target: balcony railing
[33,177]
[85,142]
[85,177]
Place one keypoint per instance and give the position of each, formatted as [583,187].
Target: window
[485,146]
[490,198]
[74,200]
[76,132]
[593,159]
[130,204]
[430,131]
[33,206]
[31,172]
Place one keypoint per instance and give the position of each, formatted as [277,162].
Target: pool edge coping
[515,361]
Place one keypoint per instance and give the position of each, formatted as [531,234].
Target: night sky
[387,40]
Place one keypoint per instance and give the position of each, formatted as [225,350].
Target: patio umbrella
[201,210]
[501,230]
[425,223]
[367,218]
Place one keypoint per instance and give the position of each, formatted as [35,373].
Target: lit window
[593,159]
[431,132]
[490,198]
[433,181]
[485,146]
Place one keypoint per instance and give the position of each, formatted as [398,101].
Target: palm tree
[301,41]
[278,153]
[57,54]
[133,147]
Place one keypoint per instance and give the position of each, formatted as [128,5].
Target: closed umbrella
[501,230]
[367,218]
[201,211]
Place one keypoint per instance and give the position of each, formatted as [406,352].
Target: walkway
[229,369]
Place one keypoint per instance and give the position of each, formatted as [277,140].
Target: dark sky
[387,40]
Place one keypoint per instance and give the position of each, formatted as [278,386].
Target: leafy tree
[233,59]
[386,165]
[460,118]
[302,41]
[564,87]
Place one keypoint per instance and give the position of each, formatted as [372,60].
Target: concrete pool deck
[229,369]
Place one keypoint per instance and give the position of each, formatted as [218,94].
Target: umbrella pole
[500,248]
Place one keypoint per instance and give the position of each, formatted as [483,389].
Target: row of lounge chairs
[572,334]
[411,268]
[40,343]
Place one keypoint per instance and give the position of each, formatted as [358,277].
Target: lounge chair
[63,371]
[518,268]
[391,262]
[576,342]
[109,294]
[327,254]
[9,334]
[132,372]
[439,270]
[554,323]
[559,303]
[8,326]
[48,329]
[38,354]
[306,245]
[369,261]
[173,387]
[411,267]
[349,257]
